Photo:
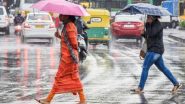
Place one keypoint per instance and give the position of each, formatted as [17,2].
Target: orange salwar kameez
[67,78]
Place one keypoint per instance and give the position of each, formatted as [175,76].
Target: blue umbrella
[147,9]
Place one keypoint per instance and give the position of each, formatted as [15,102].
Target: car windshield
[31,1]
[1,11]
[42,17]
[127,18]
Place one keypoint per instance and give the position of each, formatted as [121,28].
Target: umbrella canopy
[61,7]
[147,9]
[164,11]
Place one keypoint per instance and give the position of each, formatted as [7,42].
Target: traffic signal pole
[151,1]
[129,2]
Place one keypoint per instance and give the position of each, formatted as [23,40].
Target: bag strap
[73,56]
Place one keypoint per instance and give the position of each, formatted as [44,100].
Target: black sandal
[137,91]
[176,88]
[41,101]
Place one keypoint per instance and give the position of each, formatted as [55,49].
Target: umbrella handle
[145,18]
[59,29]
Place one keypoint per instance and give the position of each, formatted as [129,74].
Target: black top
[81,26]
[18,19]
[154,37]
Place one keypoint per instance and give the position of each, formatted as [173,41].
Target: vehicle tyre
[7,30]
[113,39]
[2,33]
[50,40]
[174,25]
[22,39]
[108,45]
[165,26]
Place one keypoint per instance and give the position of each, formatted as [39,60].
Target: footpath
[178,35]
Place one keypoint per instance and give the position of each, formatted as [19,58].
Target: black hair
[72,19]
[154,18]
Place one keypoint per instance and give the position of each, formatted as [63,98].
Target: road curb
[177,38]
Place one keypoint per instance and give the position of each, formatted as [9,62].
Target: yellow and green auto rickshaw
[98,23]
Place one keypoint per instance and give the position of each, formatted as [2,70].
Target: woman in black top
[155,49]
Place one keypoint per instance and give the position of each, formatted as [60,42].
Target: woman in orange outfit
[67,78]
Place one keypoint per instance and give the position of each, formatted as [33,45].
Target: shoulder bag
[143,50]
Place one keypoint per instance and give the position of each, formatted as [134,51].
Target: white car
[38,26]
[4,21]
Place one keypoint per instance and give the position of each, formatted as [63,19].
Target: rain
[27,71]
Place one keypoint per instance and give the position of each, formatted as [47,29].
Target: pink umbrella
[61,6]
[39,5]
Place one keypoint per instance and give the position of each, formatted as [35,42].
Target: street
[27,71]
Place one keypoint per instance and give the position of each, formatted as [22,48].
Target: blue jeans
[157,59]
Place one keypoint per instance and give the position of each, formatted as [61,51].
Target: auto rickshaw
[98,23]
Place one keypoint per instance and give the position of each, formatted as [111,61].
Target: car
[38,26]
[126,26]
[4,21]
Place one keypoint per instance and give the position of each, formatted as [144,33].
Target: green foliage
[182,23]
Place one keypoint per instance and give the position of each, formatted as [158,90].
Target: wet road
[27,71]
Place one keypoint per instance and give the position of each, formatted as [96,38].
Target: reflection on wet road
[27,71]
